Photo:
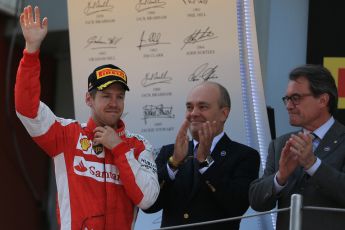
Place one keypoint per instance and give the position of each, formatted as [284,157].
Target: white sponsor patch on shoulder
[97,171]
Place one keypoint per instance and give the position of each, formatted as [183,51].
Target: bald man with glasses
[310,162]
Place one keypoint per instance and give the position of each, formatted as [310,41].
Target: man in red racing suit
[103,172]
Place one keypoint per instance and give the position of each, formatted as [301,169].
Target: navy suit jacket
[220,192]
[325,188]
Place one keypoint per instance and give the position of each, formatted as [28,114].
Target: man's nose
[194,111]
[113,101]
[289,104]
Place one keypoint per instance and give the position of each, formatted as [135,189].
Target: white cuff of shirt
[314,167]
[277,186]
[171,173]
[203,169]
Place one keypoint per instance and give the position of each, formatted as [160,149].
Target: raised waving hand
[34,30]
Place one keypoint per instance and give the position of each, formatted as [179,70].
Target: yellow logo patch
[85,144]
[109,71]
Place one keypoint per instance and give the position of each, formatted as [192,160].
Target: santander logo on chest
[96,170]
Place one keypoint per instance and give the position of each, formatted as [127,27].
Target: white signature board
[166,48]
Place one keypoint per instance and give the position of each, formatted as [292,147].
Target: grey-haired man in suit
[310,162]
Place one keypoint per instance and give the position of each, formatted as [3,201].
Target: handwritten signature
[149,4]
[157,111]
[97,42]
[203,73]
[152,40]
[195,1]
[199,36]
[96,6]
[155,78]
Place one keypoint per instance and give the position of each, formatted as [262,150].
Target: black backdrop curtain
[326,34]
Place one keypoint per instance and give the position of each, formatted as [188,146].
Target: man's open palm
[34,30]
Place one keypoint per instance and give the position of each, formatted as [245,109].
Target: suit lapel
[221,150]
[331,140]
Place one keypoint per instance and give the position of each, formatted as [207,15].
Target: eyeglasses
[295,98]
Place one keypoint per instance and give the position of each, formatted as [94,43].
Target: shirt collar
[322,130]
[214,141]
[91,125]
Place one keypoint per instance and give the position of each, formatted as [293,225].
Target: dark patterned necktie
[316,141]
[195,150]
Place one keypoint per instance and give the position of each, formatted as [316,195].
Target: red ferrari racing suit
[97,188]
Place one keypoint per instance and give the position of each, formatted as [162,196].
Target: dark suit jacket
[220,192]
[325,188]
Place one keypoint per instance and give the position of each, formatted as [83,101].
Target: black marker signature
[195,1]
[203,73]
[149,4]
[156,78]
[96,6]
[199,36]
[157,111]
[97,42]
[152,40]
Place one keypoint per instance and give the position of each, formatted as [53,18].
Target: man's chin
[193,132]
[294,122]
[195,125]
[111,123]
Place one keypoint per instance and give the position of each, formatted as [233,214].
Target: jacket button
[186,216]
[267,195]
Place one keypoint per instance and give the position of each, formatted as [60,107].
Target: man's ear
[88,99]
[324,99]
[225,112]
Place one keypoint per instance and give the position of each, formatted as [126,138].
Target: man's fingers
[301,144]
[37,15]
[22,20]
[182,133]
[25,18]
[99,129]
[185,125]
[214,126]
[29,13]
[297,140]
[297,143]
[97,134]
[208,129]
[45,23]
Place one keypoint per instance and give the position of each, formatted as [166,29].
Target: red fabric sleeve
[27,89]
[127,176]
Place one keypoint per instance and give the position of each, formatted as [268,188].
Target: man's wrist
[206,162]
[312,162]
[173,164]
[281,181]
[32,48]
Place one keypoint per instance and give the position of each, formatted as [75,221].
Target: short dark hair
[93,92]
[320,81]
